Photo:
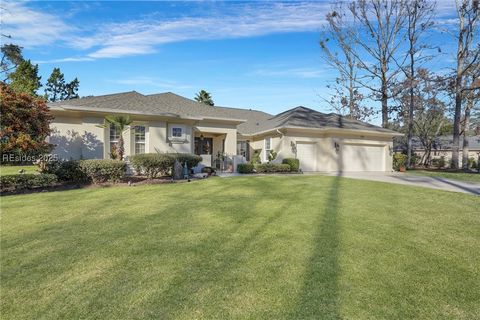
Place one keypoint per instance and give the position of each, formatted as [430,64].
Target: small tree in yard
[120,123]
[25,123]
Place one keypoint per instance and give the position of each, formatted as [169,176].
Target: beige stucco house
[167,122]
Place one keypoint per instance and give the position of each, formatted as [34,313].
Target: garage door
[362,158]
[307,156]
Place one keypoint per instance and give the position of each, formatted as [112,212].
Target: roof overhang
[388,134]
[142,113]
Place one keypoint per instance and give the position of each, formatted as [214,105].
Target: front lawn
[9,170]
[458,175]
[265,247]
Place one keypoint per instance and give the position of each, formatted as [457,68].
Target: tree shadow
[318,298]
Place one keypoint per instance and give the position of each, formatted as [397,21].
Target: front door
[203,145]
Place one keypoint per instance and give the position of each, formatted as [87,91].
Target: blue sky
[261,55]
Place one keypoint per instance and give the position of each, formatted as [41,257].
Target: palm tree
[120,123]
[204,97]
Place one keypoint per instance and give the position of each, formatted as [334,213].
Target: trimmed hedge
[245,168]
[98,171]
[293,163]
[151,164]
[272,167]
[65,170]
[192,160]
[154,164]
[26,181]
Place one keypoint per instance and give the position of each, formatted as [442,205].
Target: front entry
[203,145]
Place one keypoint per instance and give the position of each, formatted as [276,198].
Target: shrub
[256,156]
[399,160]
[152,164]
[99,171]
[472,164]
[192,160]
[272,155]
[439,162]
[293,163]
[245,168]
[208,170]
[64,170]
[272,167]
[26,181]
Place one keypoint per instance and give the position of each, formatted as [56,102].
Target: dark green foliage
[98,171]
[204,97]
[272,167]
[69,171]
[208,170]
[56,88]
[293,163]
[152,164]
[399,160]
[192,160]
[26,181]
[25,78]
[439,162]
[245,168]
[11,58]
[155,164]
[256,156]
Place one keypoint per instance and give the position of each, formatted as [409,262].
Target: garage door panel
[306,154]
[362,158]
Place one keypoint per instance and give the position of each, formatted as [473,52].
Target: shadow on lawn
[318,298]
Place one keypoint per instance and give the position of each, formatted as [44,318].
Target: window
[139,139]
[242,149]
[177,132]
[268,147]
[114,136]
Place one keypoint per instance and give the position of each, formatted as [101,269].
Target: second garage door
[362,158]
[307,156]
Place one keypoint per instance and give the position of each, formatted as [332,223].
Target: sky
[259,55]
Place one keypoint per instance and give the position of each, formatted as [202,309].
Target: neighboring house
[442,147]
[167,122]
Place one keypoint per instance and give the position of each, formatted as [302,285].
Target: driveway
[418,181]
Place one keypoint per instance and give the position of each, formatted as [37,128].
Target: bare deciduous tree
[380,38]
[337,44]
[468,54]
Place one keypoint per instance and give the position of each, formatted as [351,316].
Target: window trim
[176,138]
[135,142]
[269,139]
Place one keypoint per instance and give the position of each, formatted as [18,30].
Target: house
[442,147]
[167,122]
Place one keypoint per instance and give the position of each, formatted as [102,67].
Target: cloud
[31,28]
[292,72]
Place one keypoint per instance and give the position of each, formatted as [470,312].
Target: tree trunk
[121,149]
[384,100]
[465,148]
[458,97]
[411,107]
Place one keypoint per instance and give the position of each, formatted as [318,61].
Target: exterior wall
[327,158]
[78,138]
[436,154]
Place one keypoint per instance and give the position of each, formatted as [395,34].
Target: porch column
[231,142]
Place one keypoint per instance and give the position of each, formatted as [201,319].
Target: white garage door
[306,155]
[362,158]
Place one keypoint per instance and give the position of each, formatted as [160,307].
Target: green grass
[266,247]
[9,170]
[460,176]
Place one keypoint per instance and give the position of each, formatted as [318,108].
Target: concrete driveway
[418,181]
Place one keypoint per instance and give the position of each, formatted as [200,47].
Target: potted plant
[400,162]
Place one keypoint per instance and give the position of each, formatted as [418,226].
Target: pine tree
[25,78]
[55,87]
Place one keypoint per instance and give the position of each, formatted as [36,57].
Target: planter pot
[402,169]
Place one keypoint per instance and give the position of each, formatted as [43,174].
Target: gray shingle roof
[308,118]
[255,121]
